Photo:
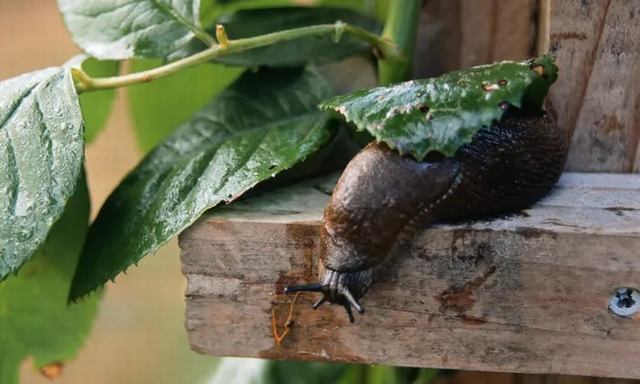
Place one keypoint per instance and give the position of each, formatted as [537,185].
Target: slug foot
[343,288]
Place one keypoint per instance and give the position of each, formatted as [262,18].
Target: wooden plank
[527,293]
[597,96]
[455,34]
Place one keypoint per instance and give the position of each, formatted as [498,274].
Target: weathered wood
[455,34]
[527,293]
[597,96]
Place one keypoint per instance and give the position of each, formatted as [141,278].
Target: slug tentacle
[344,288]
[382,197]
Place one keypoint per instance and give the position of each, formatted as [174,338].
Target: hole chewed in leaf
[429,116]
[490,87]
[459,103]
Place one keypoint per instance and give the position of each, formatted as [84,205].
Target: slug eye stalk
[336,293]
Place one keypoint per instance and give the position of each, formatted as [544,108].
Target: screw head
[625,302]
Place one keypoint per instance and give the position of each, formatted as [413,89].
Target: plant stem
[84,82]
[401,28]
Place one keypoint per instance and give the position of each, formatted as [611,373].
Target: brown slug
[383,197]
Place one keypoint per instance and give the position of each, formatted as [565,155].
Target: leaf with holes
[444,113]
[35,319]
[41,154]
[266,122]
[136,28]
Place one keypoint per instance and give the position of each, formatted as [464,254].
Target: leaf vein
[16,105]
[46,135]
[14,175]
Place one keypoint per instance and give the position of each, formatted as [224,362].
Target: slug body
[382,197]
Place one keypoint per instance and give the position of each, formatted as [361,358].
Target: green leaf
[211,10]
[35,319]
[444,113]
[134,28]
[97,105]
[264,123]
[160,106]
[254,22]
[299,51]
[41,154]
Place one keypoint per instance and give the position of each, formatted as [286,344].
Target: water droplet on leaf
[25,234]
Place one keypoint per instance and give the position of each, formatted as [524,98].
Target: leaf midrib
[164,8]
[197,31]
[26,94]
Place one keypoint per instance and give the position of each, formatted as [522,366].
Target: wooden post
[596,99]
[526,293]
[597,96]
[456,34]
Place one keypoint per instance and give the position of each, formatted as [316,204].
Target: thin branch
[383,46]
[401,28]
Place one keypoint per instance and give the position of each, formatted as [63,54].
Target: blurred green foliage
[257,371]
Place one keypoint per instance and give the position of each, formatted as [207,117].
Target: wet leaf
[41,154]
[158,107]
[136,28]
[266,122]
[444,113]
[35,319]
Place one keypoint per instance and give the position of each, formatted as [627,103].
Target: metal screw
[625,302]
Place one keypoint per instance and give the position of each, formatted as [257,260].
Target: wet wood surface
[526,293]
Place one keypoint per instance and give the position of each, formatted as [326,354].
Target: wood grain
[456,34]
[596,99]
[527,293]
[597,96]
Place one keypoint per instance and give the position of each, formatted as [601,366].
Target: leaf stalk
[401,28]
[385,47]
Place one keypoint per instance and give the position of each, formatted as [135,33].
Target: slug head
[343,288]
